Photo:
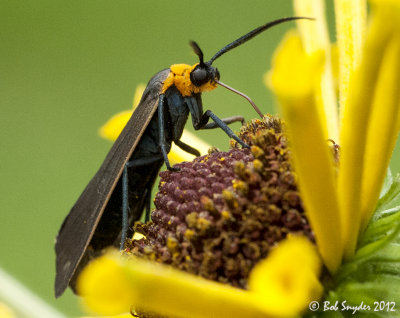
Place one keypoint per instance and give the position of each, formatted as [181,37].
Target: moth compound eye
[199,76]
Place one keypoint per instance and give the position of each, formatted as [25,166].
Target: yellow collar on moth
[180,77]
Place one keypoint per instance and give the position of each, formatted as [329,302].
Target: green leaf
[372,276]
[387,183]
[390,201]
[380,228]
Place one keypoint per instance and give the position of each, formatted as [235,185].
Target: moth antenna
[251,35]
[243,95]
[198,51]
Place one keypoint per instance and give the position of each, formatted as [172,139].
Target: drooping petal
[315,37]
[293,79]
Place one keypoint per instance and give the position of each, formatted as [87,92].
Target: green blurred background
[67,66]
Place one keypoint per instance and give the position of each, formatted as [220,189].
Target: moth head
[203,72]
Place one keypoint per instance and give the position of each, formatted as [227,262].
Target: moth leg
[227,120]
[221,124]
[161,130]
[187,148]
[125,194]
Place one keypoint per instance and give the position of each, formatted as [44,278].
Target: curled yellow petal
[105,287]
[314,36]
[293,79]
[281,283]
[113,284]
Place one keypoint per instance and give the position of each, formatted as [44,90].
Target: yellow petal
[393,3]
[278,287]
[178,155]
[105,287]
[113,127]
[351,21]
[138,95]
[290,77]
[6,312]
[293,80]
[356,117]
[281,283]
[112,284]
[314,36]
[383,127]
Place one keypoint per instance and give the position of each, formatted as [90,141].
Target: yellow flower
[312,159]
[279,287]
[5,311]
[113,127]
[339,199]
[275,279]
[339,203]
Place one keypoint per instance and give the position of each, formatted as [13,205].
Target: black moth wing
[78,227]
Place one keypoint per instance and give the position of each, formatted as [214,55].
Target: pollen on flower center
[223,212]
